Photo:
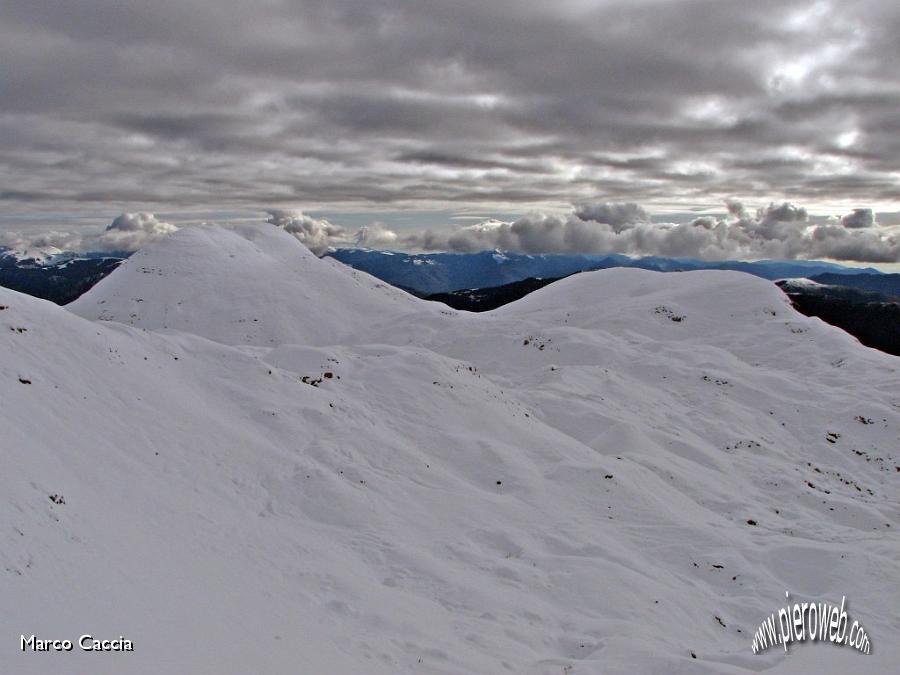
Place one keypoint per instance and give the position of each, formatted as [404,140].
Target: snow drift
[622,472]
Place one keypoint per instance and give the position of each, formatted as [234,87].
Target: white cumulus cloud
[317,233]
[129,232]
[126,233]
[778,231]
[376,235]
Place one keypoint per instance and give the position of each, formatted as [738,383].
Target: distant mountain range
[887,285]
[60,277]
[429,273]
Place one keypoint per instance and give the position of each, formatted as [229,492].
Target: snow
[251,286]
[40,254]
[544,488]
[800,282]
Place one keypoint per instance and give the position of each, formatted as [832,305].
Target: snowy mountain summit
[245,459]
[253,285]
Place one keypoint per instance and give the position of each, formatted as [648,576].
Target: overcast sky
[206,109]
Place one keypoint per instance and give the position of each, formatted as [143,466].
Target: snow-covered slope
[254,285]
[563,485]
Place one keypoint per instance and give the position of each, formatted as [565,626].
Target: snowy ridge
[253,285]
[365,482]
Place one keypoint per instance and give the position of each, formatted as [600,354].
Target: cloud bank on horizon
[126,233]
[782,231]
[502,106]
[777,231]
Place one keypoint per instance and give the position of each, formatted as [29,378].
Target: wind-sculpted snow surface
[622,472]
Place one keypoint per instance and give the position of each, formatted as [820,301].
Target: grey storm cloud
[507,107]
[617,216]
[220,104]
[859,218]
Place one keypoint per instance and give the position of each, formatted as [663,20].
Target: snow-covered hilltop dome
[254,285]
[260,461]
